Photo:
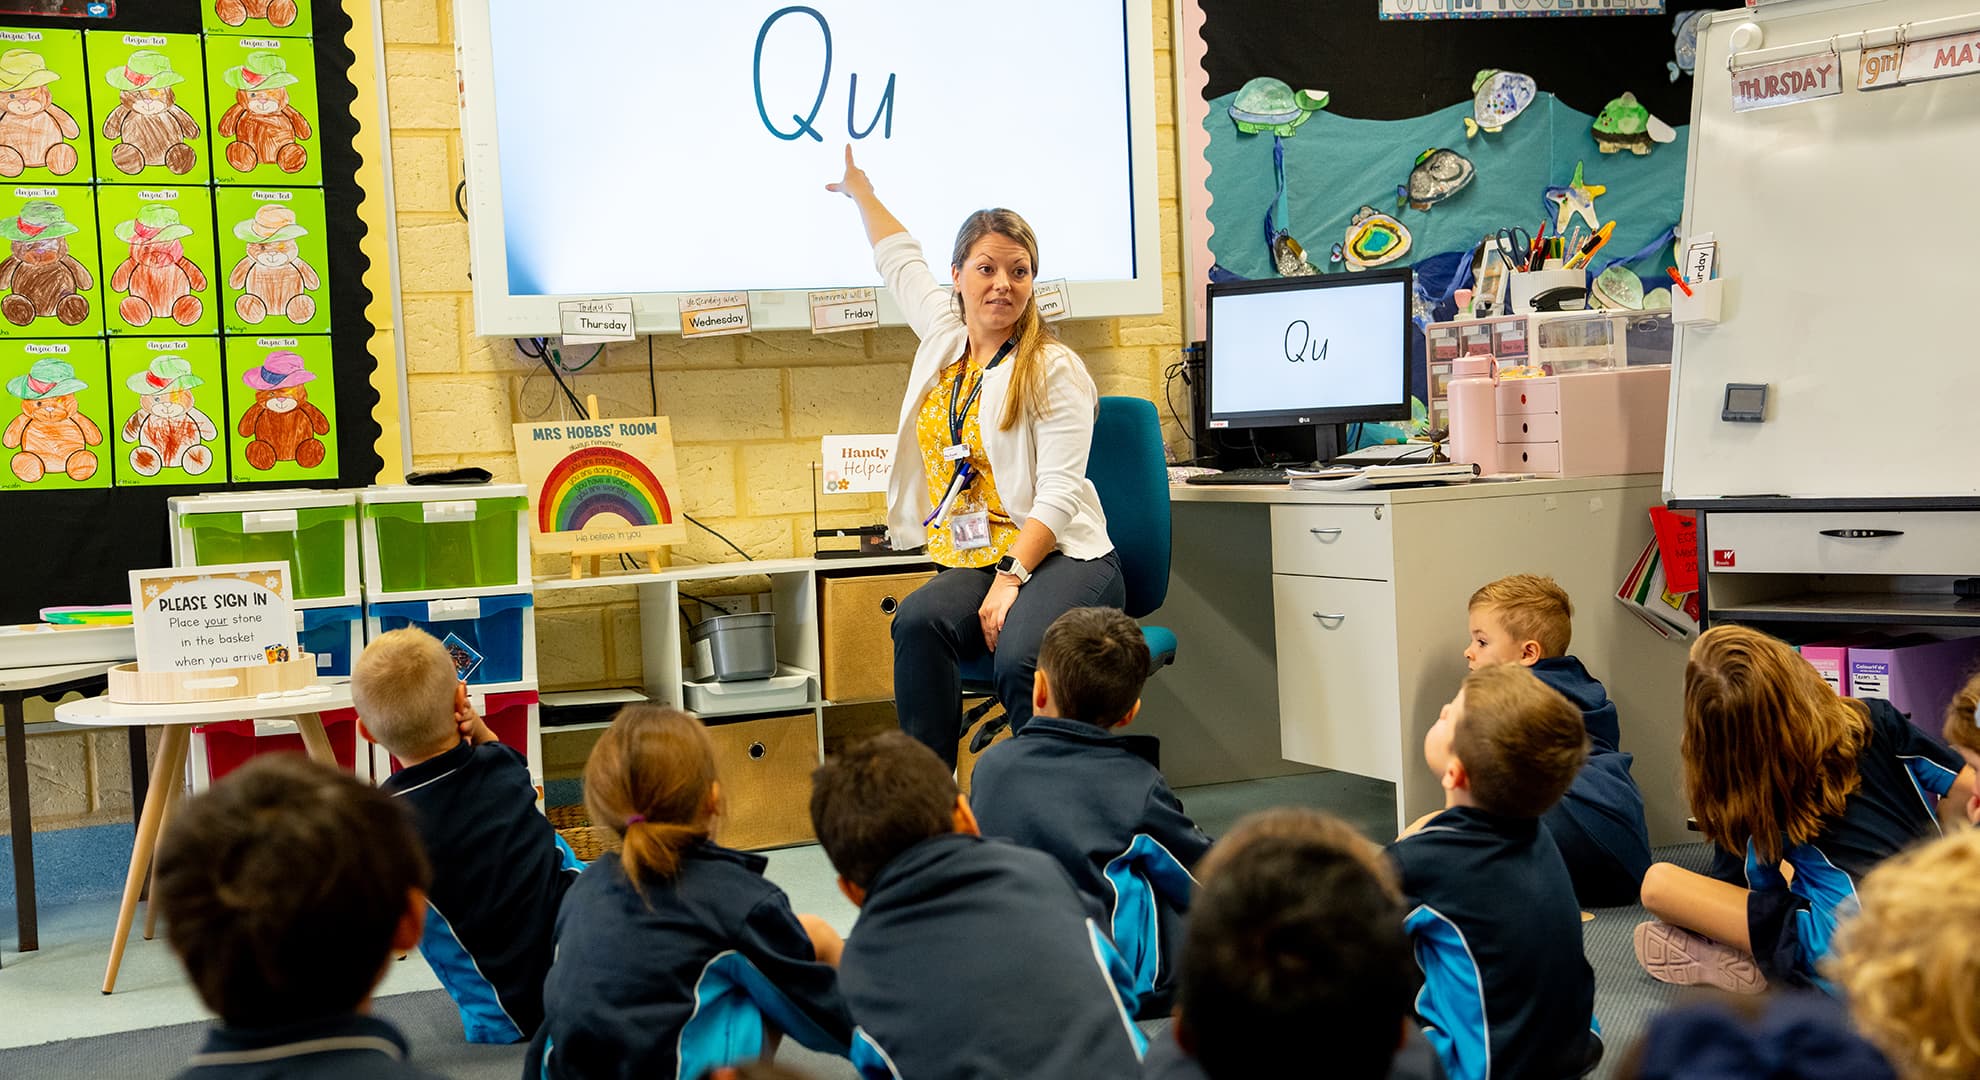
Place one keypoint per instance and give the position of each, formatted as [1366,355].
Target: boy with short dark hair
[1096,801]
[287,889]
[1296,940]
[1599,826]
[499,869]
[970,957]
[1507,993]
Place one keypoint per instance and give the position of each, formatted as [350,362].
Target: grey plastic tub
[735,648]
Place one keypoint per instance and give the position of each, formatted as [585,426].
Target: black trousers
[936,630]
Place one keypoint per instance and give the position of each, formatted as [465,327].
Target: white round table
[168,769]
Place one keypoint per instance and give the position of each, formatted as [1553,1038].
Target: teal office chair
[1130,469]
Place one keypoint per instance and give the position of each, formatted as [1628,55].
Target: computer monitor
[1307,351]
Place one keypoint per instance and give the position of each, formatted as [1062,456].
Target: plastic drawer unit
[315,532]
[436,538]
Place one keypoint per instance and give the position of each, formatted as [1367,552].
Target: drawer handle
[756,751]
[889,605]
[1335,617]
[1862,534]
[1325,532]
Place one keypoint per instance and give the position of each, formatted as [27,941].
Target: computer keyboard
[1269,474]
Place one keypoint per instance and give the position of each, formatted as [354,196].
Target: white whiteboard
[653,148]
[1848,242]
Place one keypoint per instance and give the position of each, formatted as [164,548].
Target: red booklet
[1677,542]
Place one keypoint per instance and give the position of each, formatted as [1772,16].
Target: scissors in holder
[1515,247]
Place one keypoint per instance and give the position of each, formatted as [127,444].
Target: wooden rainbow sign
[600,486]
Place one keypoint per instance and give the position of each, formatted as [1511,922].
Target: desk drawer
[1345,541]
[1541,459]
[1529,396]
[1338,683]
[1926,542]
[1530,428]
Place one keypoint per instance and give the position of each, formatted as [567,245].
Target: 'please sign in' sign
[1786,82]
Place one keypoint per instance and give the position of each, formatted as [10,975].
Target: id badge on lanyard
[966,517]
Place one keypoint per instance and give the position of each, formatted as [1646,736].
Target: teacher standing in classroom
[990,469]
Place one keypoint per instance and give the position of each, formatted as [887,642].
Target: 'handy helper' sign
[198,618]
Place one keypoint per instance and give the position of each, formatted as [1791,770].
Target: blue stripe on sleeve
[733,1001]
[871,1061]
[1452,1001]
[483,1019]
[566,858]
[1119,980]
[1143,877]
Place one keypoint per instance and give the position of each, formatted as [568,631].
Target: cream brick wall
[746,411]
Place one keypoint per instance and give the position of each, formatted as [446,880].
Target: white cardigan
[1039,464]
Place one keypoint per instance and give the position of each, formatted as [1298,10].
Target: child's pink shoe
[1673,955]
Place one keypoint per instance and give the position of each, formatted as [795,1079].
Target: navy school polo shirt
[345,1047]
[1507,993]
[974,958]
[683,977]
[499,873]
[1098,803]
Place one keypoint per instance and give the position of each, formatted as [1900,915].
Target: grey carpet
[1625,998]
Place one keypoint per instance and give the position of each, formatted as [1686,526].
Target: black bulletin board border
[77,547]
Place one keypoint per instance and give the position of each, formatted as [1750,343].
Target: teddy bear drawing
[51,435]
[265,128]
[273,277]
[282,424]
[34,131]
[148,125]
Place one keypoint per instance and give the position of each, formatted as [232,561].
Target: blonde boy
[1528,620]
[499,869]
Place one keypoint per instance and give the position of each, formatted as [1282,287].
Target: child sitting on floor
[1507,993]
[1096,801]
[675,956]
[499,869]
[287,890]
[1782,769]
[1296,941]
[1598,825]
[971,957]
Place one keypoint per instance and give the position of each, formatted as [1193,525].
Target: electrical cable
[1169,375]
[719,536]
[652,385]
[460,199]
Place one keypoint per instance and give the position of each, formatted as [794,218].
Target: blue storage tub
[335,635]
[500,628]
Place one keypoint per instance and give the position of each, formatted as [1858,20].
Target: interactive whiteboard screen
[650,148]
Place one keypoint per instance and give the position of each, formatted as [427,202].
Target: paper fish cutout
[1577,200]
[1268,106]
[1373,239]
[1438,175]
[1496,98]
[1657,300]
[1624,124]
[1685,29]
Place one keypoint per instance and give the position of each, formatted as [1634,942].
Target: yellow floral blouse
[932,432]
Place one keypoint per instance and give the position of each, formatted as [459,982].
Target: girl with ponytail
[674,955]
[990,468]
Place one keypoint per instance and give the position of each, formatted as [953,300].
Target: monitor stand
[1305,445]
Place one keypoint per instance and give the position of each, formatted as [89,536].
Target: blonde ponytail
[650,779]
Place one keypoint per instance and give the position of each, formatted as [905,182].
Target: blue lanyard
[957,419]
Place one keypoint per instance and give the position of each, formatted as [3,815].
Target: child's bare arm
[825,941]
[1961,803]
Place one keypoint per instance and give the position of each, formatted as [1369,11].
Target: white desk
[169,770]
[1391,573]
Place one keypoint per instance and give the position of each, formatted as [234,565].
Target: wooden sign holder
[129,686]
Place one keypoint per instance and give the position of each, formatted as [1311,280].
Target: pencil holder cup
[1702,307]
[1533,283]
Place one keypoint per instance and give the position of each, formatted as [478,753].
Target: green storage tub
[436,538]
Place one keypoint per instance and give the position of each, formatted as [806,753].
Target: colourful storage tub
[512,715]
[221,748]
[334,634]
[431,538]
[315,532]
[500,628]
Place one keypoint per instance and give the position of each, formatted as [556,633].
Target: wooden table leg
[315,740]
[20,821]
[171,768]
[172,795]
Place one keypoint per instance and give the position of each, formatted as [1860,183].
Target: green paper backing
[224,53]
[213,24]
[246,353]
[108,50]
[236,205]
[79,208]
[132,356]
[87,357]
[116,204]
